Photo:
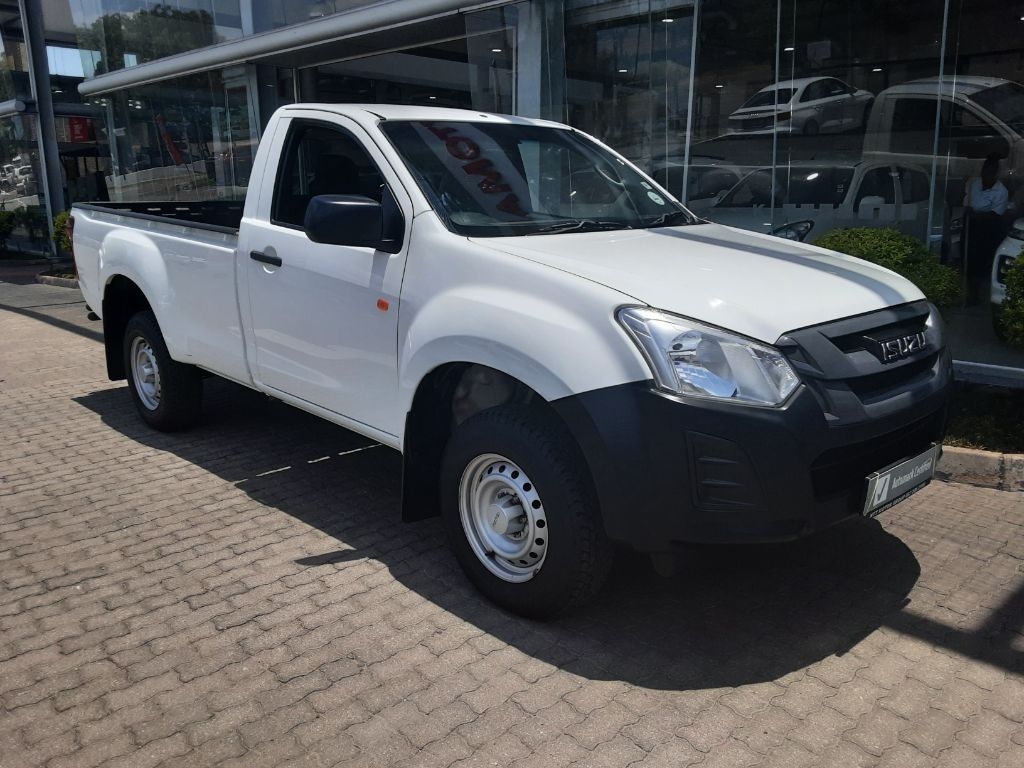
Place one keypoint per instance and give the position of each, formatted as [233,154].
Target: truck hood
[757,285]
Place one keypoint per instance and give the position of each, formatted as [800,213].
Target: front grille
[878,386]
[842,470]
[841,362]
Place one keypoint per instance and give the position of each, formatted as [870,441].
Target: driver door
[324,318]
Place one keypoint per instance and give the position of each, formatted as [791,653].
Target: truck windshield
[502,180]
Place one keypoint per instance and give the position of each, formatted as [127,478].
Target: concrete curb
[1004,471]
[61,282]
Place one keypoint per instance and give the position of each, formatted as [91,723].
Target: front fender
[549,345]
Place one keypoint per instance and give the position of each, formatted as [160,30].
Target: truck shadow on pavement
[729,616]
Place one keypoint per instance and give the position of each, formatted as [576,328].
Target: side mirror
[355,220]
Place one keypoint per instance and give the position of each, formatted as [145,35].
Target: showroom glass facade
[792,117]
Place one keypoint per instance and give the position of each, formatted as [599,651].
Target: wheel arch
[445,397]
[122,298]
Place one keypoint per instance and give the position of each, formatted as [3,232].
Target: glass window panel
[192,138]
[983,124]
[129,32]
[627,70]
[321,160]
[473,71]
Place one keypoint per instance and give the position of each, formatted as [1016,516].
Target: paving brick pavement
[244,594]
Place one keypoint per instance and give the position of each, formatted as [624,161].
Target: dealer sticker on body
[892,485]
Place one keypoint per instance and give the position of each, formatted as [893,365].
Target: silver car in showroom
[808,105]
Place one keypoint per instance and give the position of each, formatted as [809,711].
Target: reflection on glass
[114,34]
[472,72]
[188,139]
[274,14]
[22,196]
[868,121]
[14,81]
[627,69]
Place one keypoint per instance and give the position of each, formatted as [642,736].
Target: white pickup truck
[565,356]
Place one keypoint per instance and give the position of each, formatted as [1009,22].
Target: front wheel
[167,394]
[520,512]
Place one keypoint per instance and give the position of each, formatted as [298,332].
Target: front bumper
[669,469]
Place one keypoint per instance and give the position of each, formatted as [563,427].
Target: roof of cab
[964,85]
[385,112]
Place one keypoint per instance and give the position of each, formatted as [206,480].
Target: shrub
[903,254]
[60,235]
[8,221]
[1011,316]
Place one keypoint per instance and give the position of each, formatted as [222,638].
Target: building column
[540,60]
[39,77]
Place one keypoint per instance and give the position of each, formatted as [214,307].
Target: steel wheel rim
[503,518]
[145,373]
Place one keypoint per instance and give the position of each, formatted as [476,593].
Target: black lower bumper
[670,470]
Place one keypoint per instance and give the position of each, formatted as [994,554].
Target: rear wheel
[167,394]
[521,514]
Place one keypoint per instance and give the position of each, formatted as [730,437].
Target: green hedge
[1011,316]
[8,221]
[903,254]
[60,235]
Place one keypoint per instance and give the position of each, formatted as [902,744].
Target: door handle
[265,259]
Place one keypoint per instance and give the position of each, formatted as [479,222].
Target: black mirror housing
[355,220]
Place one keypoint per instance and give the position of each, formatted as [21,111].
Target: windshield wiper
[579,225]
[667,220]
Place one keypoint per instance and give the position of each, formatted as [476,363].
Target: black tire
[811,128]
[578,554]
[178,403]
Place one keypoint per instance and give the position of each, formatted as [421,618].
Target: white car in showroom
[808,105]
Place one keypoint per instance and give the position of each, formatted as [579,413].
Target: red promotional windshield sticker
[480,166]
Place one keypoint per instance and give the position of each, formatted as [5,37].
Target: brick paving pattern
[245,594]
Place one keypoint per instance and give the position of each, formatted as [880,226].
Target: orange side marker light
[383,305]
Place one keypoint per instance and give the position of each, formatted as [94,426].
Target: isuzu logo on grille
[901,347]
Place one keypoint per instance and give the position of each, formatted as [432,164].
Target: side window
[837,88]
[965,134]
[320,159]
[913,126]
[877,182]
[913,185]
[754,191]
[814,91]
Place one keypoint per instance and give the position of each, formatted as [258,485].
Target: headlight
[688,358]
[797,230]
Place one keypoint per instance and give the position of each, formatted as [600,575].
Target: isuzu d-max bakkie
[566,357]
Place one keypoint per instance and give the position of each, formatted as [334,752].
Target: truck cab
[978,116]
